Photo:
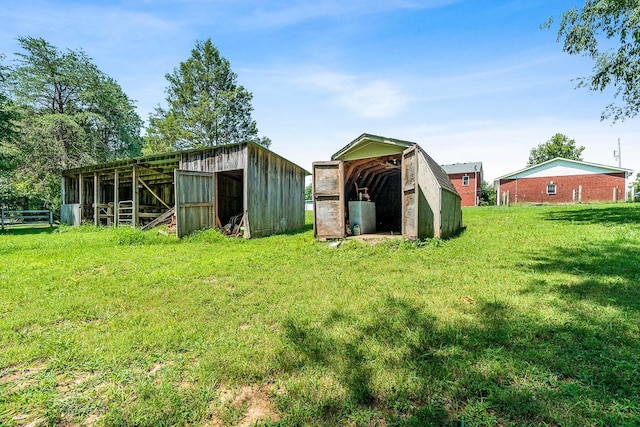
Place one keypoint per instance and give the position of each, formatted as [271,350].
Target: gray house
[386,186]
[241,185]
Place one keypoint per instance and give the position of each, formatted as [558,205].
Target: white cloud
[363,97]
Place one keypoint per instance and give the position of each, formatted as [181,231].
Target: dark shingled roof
[463,167]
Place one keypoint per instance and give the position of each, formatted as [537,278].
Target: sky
[468,80]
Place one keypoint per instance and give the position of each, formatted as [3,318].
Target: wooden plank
[195,207]
[409,194]
[328,200]
[116,197]
[135,197]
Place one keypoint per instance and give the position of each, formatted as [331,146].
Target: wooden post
[50,218]
[81,197]
[63,187]
[116,185]
[2,218]
[96,209]
[136,194]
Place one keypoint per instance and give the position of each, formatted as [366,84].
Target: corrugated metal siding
[275,193]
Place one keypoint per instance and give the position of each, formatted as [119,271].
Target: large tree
[559,145]
[9,117]
[206,106]
[608,31]
[72,114]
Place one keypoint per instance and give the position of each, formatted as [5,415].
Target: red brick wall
[595,188]
[468,193]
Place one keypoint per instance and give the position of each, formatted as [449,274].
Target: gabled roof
[563,167]
[367,145]
[469,167]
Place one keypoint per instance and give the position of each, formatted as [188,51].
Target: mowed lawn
[531,316]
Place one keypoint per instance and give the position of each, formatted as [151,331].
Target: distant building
[467,179]
[562,181]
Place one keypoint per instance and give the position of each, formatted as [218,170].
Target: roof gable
[563,167]
[367,145]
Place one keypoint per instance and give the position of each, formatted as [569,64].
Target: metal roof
[604,168]
[469,167]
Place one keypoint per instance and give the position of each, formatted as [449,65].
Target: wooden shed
[384,186]
[241,185]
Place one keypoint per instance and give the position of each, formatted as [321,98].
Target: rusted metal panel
[195,207]
[328,199]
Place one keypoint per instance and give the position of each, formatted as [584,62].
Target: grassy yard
[531,316]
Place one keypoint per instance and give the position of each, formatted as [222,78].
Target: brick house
[467,179]
[562,181]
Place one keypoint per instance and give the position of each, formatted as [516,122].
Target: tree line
[59,111]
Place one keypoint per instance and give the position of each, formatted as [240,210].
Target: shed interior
[230,196]
[381,176]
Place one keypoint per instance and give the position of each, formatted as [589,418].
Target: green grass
[531,316]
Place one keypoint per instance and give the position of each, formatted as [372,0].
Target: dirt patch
[21,378]
[254,402]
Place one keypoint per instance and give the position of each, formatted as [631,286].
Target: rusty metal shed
[244,185]
[411,193]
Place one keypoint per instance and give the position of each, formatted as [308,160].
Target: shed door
[195,208]
[328,200]
[410,193]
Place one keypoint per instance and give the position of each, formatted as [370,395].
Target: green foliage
[71,114]
[122,327]
[635,189]
[607,31]
[487,194]
[206,106]
[558,146]
[308,192]
[9,116]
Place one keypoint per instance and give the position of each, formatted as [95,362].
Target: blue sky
[468,80]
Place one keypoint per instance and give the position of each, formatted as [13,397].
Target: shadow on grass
[26,230]
[607,274]
[396,365]
[598,214]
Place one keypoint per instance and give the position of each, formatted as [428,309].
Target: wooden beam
[116,194]
[153,193]
[81,196]
[96,209]
[136,196]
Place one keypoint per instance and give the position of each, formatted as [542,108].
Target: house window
[551,188]
[465,181]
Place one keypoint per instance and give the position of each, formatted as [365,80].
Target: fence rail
[25,218]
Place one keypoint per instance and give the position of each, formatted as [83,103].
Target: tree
[487,194]
[558,146]
[72,115]
[634,188]
[591,31]
[206,106]
[9,117]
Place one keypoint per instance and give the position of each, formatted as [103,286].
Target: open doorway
[230,196]
[376,180]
